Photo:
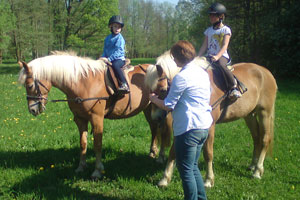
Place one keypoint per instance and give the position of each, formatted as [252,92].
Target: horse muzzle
[36,108]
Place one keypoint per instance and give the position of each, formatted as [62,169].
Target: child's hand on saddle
[215,58]
[104,59]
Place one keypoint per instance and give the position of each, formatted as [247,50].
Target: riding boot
[123,89]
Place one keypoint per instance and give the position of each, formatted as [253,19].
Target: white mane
[170,68]
[62,68]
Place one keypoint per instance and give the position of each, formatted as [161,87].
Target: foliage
[38,155]
[264,32]
[7,21]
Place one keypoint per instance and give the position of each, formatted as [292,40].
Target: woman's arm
[158,102]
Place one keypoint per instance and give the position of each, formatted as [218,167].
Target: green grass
[38,155]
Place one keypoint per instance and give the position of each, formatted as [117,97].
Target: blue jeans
[117,65]
[187,149]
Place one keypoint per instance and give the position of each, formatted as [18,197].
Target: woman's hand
[153,97]
[160,103]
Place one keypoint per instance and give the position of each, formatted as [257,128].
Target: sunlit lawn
[38,155]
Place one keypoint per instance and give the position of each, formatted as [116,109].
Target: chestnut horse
[256,106]
[82,80]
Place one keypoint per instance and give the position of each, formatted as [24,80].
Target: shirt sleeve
[119,49]
[177,88]
[206,32]
[104,54]
[227,31]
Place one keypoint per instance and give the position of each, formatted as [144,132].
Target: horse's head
[37,91]
[159,83]
[157,80]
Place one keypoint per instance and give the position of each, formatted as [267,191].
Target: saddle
[111,82]
[217,71]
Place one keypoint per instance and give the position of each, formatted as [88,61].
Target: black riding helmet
[217,8]
[116,19]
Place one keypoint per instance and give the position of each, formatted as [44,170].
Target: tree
[86,24]
[30,37]
[7,21]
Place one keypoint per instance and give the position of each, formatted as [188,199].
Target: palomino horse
[256,106]
[82,80]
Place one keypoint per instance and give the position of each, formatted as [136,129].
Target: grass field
[38,155]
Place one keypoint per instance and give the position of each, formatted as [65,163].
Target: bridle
[39,97]
[168,87]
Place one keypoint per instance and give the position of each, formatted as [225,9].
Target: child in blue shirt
[114,51]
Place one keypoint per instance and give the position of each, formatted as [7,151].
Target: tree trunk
[0,56]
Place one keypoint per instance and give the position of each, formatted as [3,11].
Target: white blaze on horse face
[34,107]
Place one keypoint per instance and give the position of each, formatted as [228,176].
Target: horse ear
[159,70]
[21,64]
[24,64]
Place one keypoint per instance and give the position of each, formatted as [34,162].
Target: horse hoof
[208,184]
[258,172]
[152,155]
[160,160]
[251,168]
[93,178]
[96,175]
[163,183]
[80,168]
[256,175]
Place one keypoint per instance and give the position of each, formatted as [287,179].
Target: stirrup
[235,94]
[124,89]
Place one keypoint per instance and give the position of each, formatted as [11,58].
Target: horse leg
[266,137]
[251,121]
[169,168]
[208,153]
[165,134]
[83,131]
[153,128]
[97,129]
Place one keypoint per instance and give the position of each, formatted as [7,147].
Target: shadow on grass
[230,168]
[9,69]
[57,182]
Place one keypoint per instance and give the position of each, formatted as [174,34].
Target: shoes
[235,94]
[123,89]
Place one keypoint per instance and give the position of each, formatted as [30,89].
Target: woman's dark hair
[183,51]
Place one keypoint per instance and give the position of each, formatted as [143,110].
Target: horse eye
[30,86]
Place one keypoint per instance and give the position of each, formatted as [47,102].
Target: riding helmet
[217,8]
[116,19]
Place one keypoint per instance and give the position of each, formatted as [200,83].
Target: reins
[76,100]
[40,96]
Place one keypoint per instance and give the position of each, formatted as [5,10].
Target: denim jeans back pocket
[196,136]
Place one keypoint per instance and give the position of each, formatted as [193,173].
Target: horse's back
[258,76]
[261,92]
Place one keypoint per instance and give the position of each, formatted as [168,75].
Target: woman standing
[188,100]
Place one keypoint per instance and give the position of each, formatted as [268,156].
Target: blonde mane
[170,68]
[62,68]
